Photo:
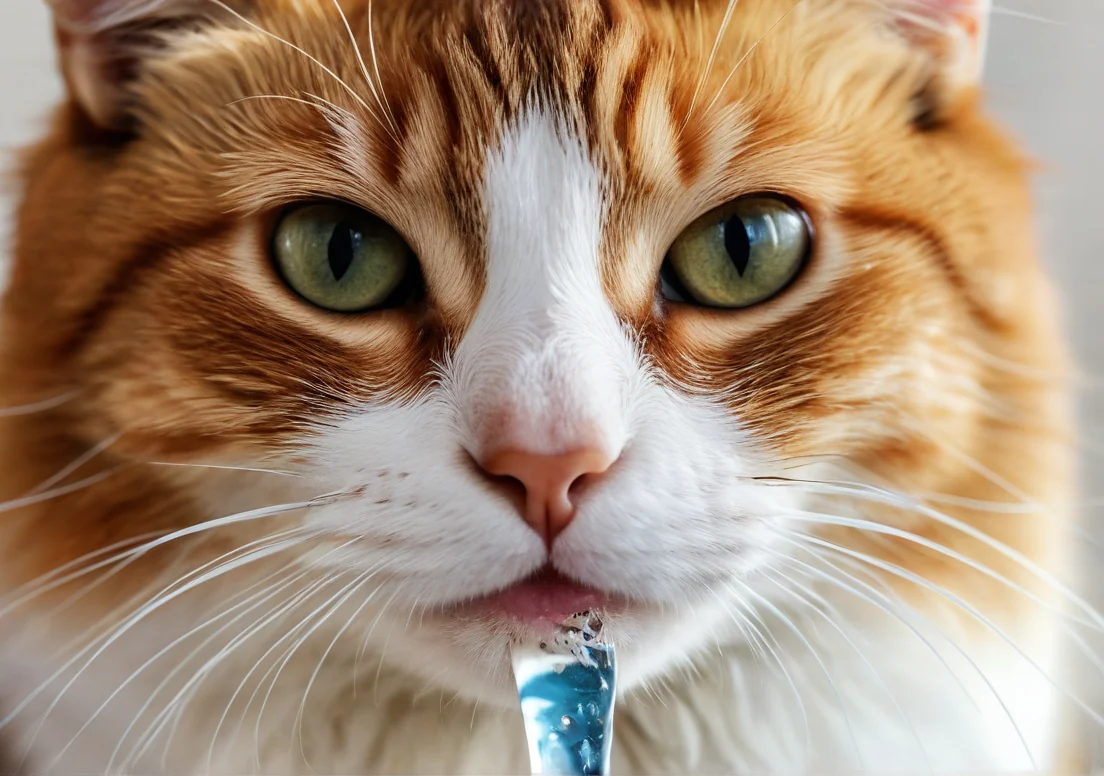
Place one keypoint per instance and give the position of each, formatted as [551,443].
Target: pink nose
[547,480]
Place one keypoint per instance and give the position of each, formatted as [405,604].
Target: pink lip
[543,600]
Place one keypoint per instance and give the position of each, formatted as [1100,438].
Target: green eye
[739,255]
[343,259]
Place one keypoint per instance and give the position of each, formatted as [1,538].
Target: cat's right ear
[103,44]
[953,32]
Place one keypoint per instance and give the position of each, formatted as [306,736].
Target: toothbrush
[567,687]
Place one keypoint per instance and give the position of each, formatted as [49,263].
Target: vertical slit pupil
[738,244]
[340,252]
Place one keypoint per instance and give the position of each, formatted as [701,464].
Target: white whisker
[879,495]
[75,465]
[364,67]
[981,568]
[1031,17]
[257,627]
[964,605]
[750,51]
[729,10]
[40,406]
[129,623]
[352,93]
[362,581]
[792,627]
[198,676]
[320,615]
[885,603]
[164,651]
[375,66]
[61,575]
[63,490]
[778,661]
[831,616]
[159,600]
[219,467]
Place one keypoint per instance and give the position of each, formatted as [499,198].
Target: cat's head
[507,287]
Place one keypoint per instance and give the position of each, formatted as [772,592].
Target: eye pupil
[738,255]
[738,244]
[341,251]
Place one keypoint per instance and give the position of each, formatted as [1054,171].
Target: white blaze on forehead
[546,363]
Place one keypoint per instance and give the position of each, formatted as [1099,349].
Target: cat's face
[619,285]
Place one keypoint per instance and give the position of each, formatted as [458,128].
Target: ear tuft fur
[89,17]
[102,44]
[954,31]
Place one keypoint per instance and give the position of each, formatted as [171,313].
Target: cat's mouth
[542,601]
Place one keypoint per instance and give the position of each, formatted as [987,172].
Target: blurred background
[1045,81]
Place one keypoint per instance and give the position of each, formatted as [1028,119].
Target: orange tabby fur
[934,365]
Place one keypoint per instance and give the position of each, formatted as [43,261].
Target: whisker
[264,622]
[792,627]
[159,600]
[320,615]
[747,55]
[129,623]
[219,467]
[729,10]
[286,97]
[270,591]
[352,93]
[364,68]
[882,496]
[804,597]
[40,406]
[180,702]
[973,463]
[1028,16]
[777,659]
[159,539]
[964,605]
[885,603]
[42,584]
[362,581]
[886,530]
[375,65]
[191,687]
[364,642]
[73,466]
[58,492]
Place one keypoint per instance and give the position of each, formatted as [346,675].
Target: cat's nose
[548,480]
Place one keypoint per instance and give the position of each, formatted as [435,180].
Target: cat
[348,343]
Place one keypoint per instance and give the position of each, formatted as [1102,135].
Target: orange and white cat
[349,341]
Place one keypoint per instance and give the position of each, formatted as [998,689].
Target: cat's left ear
[104,44]
[955,32]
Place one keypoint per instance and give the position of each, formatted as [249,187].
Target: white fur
[675,524]
[545,353]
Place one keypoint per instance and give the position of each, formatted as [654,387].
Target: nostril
[510,487]
[581,484]
[549,484]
